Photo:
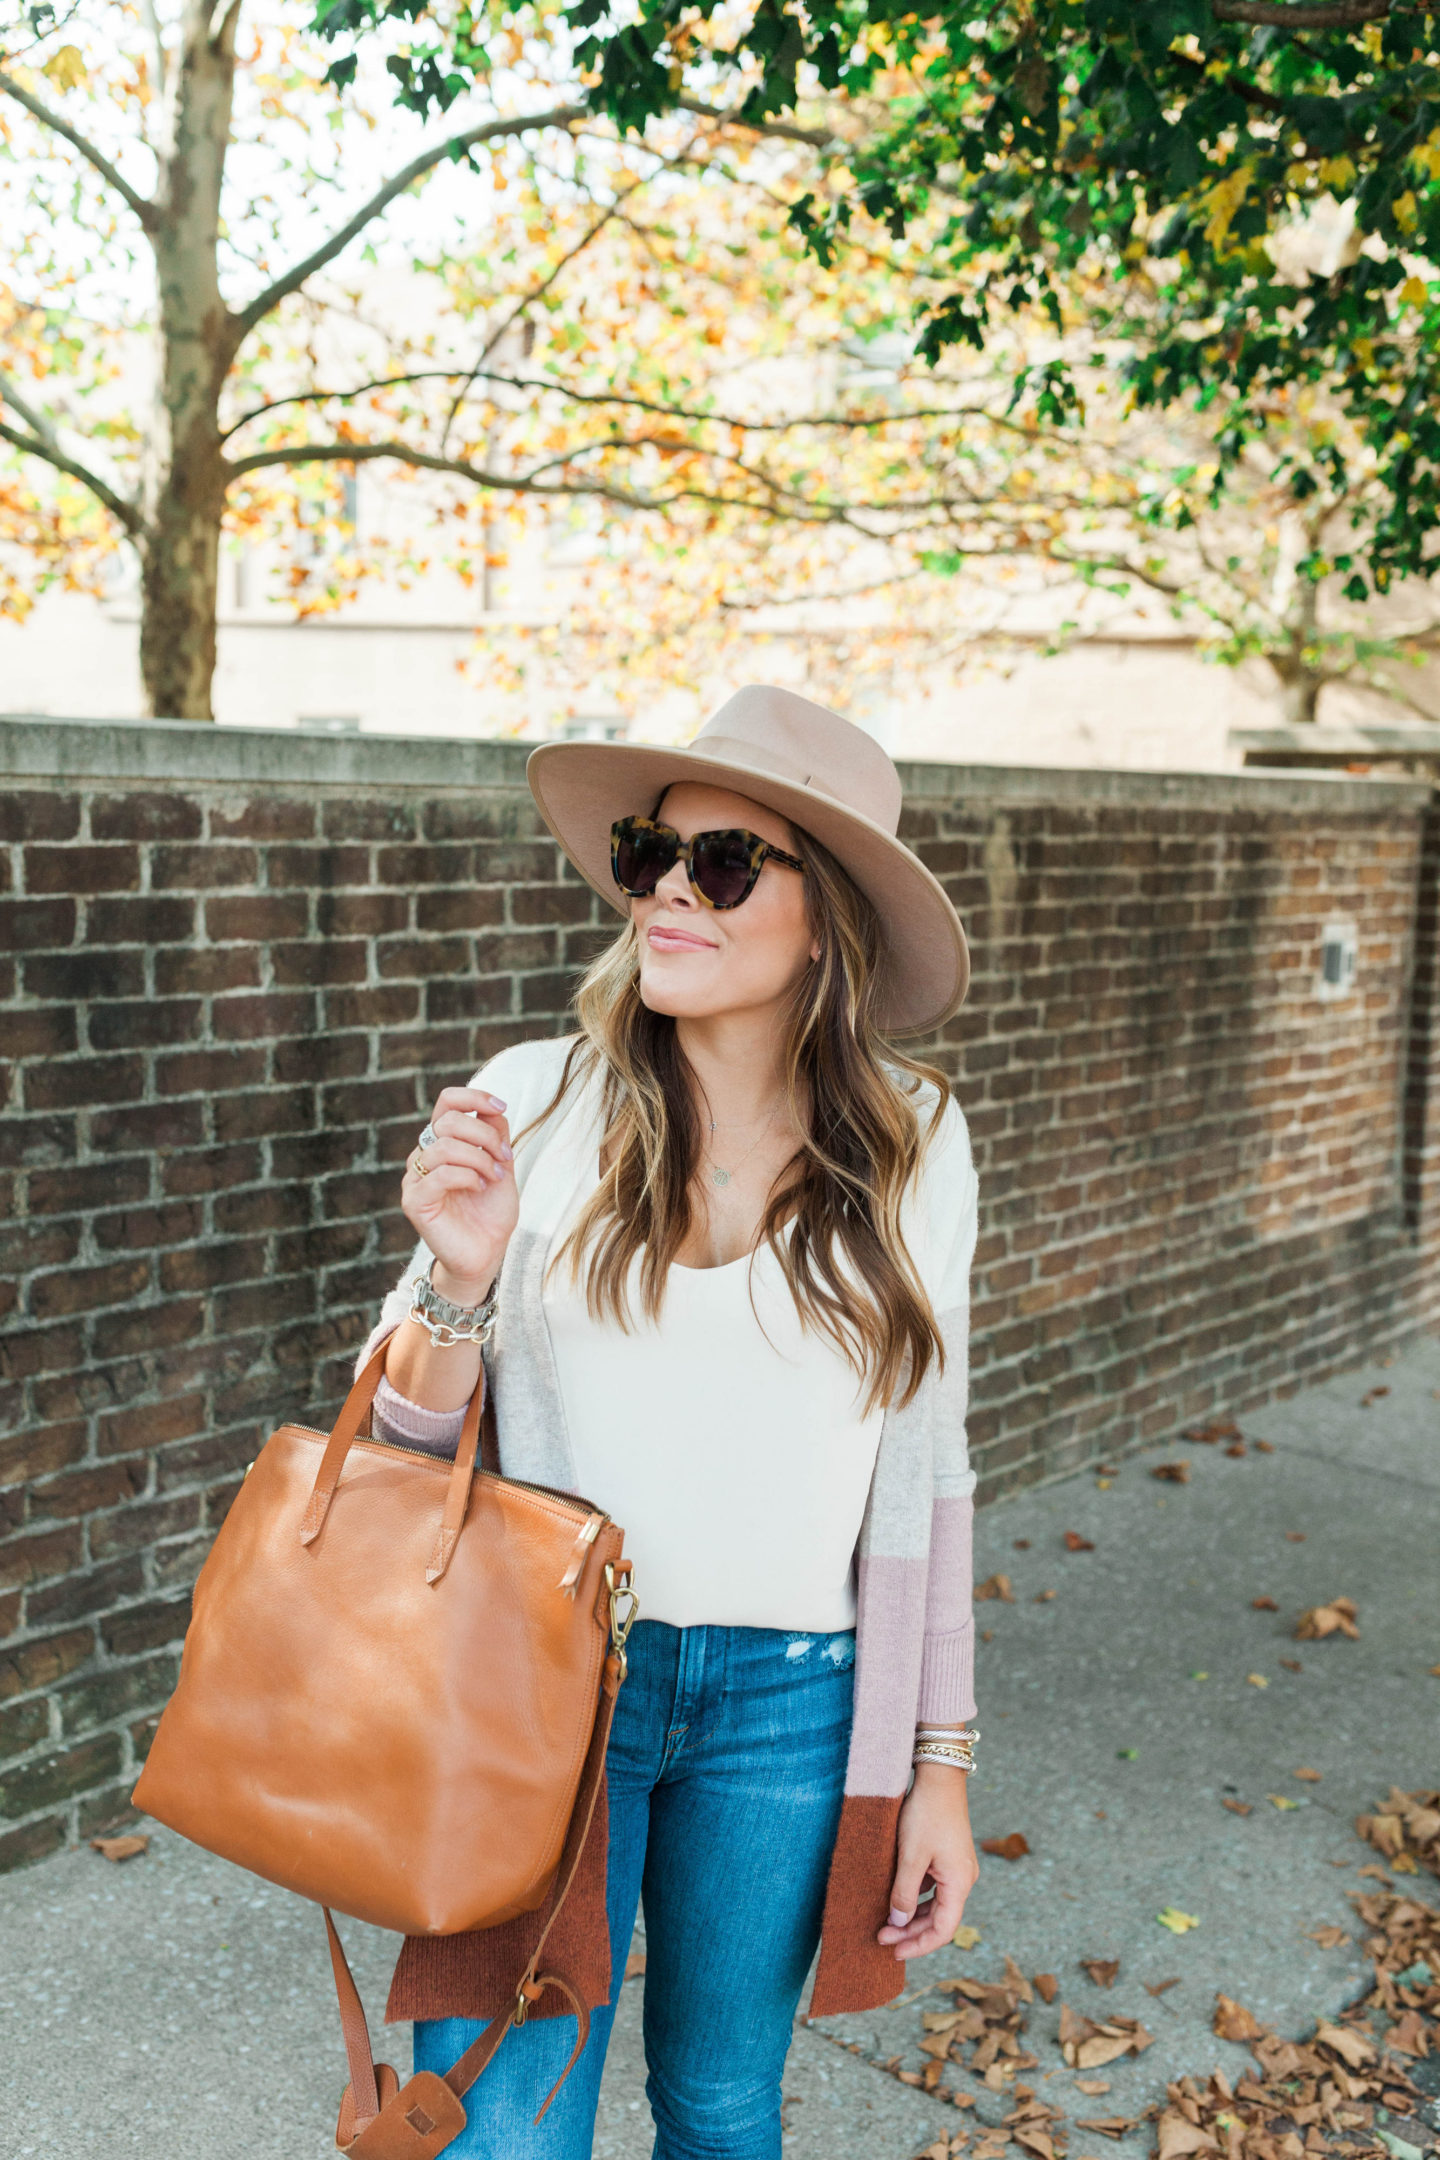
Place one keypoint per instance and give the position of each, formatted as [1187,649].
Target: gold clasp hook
[621,1623]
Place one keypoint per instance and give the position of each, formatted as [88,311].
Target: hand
[935,1846]
[460,1194]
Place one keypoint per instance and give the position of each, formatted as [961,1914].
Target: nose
[674,888]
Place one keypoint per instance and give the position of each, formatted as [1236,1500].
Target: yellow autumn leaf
[1279,1800]
[1405,211]
[1179,1923]
[1222,201]
[1414,292]
[65,68]
[1337,172]
[1427,155]
[966,1937]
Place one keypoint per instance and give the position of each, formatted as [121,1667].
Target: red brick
[148,1327]
[151,1425]
[66,1083]
[39,1449]
[202,869]
[38,814]
[263,817]
[82,869]
[253,1019]
[48,1031]
[137,816]
[208,1072]
[75,1290]
[36,925]
[207,971]
[76,977]
[319,869]
[363,818]
[256,918]
[153,1020]
[163,1126]
[35,1556]
[468,907]
[143,1524]
[102,1485]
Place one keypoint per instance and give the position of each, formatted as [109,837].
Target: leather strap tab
[346,2130]
[416,2123]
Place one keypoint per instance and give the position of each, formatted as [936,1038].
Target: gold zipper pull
[589,1531]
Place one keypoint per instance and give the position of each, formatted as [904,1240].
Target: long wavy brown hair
[851,1096]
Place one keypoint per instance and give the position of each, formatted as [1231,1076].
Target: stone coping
[199,752]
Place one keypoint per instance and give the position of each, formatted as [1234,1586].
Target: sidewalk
[175,2008]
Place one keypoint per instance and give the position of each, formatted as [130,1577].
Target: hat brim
[582,787]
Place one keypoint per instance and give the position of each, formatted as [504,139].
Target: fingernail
[898,1918]
[496,1103]
[507,1154]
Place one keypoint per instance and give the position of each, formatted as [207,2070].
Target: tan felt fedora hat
[818,771]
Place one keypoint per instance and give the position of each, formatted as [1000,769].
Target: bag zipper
[446,1462]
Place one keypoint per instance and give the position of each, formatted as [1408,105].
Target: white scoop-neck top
[727,1440]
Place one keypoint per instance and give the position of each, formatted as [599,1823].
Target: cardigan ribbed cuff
[947,1678]
[396,1417]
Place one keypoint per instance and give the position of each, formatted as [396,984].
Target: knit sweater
[914,1626]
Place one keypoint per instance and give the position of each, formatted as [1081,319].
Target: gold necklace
[723,1177]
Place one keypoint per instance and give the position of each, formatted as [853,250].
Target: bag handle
[347,1425]
[377,2122]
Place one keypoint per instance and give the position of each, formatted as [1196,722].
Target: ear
[815,949]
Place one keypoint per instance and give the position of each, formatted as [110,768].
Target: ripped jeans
[725,1772]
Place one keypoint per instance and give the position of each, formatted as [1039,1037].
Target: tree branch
[52,454]
[638,404]
[289,281]
[818,138]
[1301,14]
[143,208]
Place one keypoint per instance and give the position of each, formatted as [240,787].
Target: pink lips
[661,937]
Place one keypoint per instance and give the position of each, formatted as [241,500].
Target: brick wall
[235,968]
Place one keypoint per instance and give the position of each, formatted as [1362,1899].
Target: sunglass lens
[721,863]
[642,855]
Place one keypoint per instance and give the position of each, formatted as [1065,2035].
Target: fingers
[934,1924]
[480,1161]
[905,1891]
[465,1100]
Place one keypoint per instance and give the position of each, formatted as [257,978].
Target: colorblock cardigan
[914,1625]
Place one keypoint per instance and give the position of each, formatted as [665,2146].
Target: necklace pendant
[719,1177]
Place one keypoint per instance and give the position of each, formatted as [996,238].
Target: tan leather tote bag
[394,1698]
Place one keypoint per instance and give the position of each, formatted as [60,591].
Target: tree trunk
[185,470]
[1301,681]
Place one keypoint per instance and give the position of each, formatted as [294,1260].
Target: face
[696,961]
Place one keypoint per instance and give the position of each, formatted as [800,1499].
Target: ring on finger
[421,1169]
[428,1137]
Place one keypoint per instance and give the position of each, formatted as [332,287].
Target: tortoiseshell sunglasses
[722,866]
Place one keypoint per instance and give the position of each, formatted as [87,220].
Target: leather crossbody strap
[418,2120]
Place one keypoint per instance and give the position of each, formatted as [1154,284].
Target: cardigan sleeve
[947,1667]
[513,1076]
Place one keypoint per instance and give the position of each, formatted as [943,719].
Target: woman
[732,1230]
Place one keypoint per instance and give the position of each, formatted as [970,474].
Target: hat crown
[774,731]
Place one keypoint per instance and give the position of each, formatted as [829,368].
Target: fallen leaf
[1343,2040]
[1232,2021]
[1255,1679]
[1207,1435]
[121,1848]
[1372,1395]
[966,1937]
[1292,1664]
[1178,2136]
[1329,1938]
[1295,1537]
[1177,1473]
[1022,1544]
[1311,1777]
[1337,1618]
[1238,1807]
[1047,1987]
[1092,2086]
[987,1634]
[1279,1800]
[1158,1987]
[1111,2126]
[634,1964]
[995,1586]
[1042,1597]
[1075,1543]
[1264,1604]
[1102,1971]
[1127,1754]
[1013,1847]
[1179,1923]
[1239,1448]
[1264,1446]
[1435,1672]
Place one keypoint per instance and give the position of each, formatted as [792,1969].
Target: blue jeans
[726,1769]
